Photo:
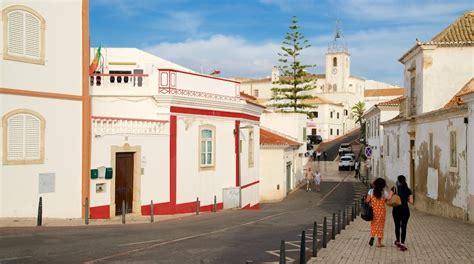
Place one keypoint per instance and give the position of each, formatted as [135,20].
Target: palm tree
[358,111]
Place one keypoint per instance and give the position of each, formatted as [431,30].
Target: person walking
[317,181]
[401,213]
[308,177]
[325,155]
[377,197]
[356,168]
[318,155]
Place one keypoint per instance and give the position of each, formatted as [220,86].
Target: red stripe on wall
[253,207]
[237,152]
[194,111]
[173,129]
[250,184]
[184,208]
[100,212]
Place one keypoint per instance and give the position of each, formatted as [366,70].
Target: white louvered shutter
[24,34]
[24,137]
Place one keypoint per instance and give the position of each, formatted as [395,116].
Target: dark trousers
[400,216]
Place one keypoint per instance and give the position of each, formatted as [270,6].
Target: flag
[215,72]
[95,62]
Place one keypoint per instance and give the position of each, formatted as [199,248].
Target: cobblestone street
[430,239]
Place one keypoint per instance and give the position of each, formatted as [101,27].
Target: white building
[278,155]
[374,134]
[433,124]
[379,95]
[337,86]
[166,134]
[329,118]
[45,109]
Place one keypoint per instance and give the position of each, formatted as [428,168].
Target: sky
[241,38]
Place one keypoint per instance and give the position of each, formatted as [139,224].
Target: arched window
[334,62]
[334,88]
[23,142]
[23,35]
[207,136]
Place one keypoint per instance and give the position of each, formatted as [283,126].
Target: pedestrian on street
[356,168]
[401,213]
[377,197]
[317,180]
[318,155]
[325,155]
[308,177]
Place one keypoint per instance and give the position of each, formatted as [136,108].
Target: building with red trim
[165,135]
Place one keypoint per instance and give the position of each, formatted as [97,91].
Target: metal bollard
[344,219]
[198,204]
[333,227]
[315,239]
[152,212]
[325,232]
[353,213]
[86,211]
[249,262]
[348,219]
[303,248]
[339,221]
[282,252]
[123,211]
[215,204]
[39,220]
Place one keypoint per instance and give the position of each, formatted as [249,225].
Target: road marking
[141,242]
[15,258]
[181,239]
[333,189]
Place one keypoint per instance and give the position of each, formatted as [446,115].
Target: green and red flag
[95,62]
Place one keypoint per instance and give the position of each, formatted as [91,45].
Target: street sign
[368,151]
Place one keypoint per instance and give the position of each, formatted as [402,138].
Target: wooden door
[123,182]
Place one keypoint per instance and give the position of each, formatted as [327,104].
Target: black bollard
[303,248]
[315,239]
[249,262]
[344,219]
[123,211]
[325,232]
[152,212]
[333,227]
[353,213]
[215,204]
[198,204]
[339,221]
[39,220]
[348,217]
[86,211]
[282,252]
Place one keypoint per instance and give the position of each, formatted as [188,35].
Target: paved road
[224,237]
[332,147]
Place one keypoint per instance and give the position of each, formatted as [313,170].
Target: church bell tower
[338,63]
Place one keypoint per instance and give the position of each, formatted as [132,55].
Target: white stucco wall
[324,122]
[394,165]
[63,148]
[62,71]
[272,174]
[470,155]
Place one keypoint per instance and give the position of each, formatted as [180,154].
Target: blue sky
[242,38]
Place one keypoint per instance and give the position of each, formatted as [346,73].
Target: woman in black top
[401,213]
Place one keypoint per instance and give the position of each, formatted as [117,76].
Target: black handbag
[367,212]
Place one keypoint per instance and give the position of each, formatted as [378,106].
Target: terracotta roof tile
[319,100]
[393,102]
[461,30]
[457,99]
[249,99]
[271,138]
[384,92]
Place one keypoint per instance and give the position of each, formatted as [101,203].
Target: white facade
[329,121]
[163,123]
[469,99]
[42,81]
[394,164]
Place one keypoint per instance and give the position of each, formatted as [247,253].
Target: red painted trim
[194,111]
[100,212]
[173,140]
[184,208]
[253,207]
[237,152]
[250,184]
[129,119]
[200,75]
[118,74]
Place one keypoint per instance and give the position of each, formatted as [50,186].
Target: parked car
[346,162]
[345,147]
[350,154]
[315,139]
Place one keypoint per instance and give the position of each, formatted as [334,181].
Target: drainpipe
[466,122]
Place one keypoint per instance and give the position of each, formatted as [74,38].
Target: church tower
[338,64]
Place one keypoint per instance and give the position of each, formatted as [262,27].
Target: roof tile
[271,138]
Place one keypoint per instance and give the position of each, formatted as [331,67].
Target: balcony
[106,81]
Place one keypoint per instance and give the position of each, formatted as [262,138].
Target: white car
[345,147]
[346,162]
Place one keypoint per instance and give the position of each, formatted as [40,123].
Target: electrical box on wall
[94,173]
[100,187]
[108,173]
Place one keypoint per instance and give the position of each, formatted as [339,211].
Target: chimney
[275,74]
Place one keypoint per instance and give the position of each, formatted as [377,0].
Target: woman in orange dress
[377,197]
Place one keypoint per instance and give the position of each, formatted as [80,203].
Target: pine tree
[294,82]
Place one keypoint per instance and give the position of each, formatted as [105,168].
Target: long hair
[402,182]
[379,185]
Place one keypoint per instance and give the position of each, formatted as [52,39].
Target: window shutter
[15,137]
[16,25]
[32,36]
[32,137]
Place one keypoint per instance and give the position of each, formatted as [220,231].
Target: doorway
[288,177]
[124,167]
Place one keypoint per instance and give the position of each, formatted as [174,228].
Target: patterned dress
[378,222]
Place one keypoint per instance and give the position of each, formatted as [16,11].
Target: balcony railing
[105,80]
[113,125]
[191,93]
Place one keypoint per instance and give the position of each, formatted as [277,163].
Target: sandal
[403,247]
[371,241]
[397,244]
[381,245]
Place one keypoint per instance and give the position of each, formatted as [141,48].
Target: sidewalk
[430,239]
